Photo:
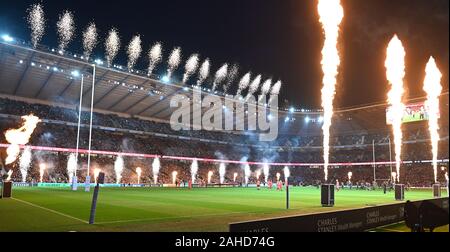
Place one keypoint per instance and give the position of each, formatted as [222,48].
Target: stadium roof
[49,76]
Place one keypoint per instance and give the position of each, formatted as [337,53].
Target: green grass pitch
[170,209]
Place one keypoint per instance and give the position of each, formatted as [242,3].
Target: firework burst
[204,71]
[66,29]
[89,40]
[253,86]
[221,74]
[232,74]
[154,56]
[112,45]
[243,83]
[36,22]
[190,67]
[174,61]
[134,51]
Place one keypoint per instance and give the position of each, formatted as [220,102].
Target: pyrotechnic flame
[395,72]
[134,51]
[96,173]
[243,83]
[71,166]
[278,176]
[235,176]
[89,40]
[118,168]
[155,169]
[331,14]
[266,168]
[247,173]
[10,172]
[42,168]
[19,136]
[24,162]
[253,87]
[222,171]
[174,176]
[154,56]
[204,71]
[232,74]
[432,85]
[394,176]
[287,173]
[210,173]
[174,61]
[349,174]
[194,169]
[112,45]
[190,67]
[221,74]
[139,172]
[66,29]
[36,21]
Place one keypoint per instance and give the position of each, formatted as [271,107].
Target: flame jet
[331,14]
[395,72]
[433,88]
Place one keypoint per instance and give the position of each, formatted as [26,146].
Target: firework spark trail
[154,56]
[134,51]
[24,162]
[222,171]
[194,170]
[243,83]
[19,136]
[221,74]
[433,88]
[155,169]
[112,45]
[253,87]
[232,74]
[247,173]
[36,22]
[66,29]
[395,72]
[266,168]
[286,172]
[190,67]
[118,168]
[331,14]
[275,90]
[90,36]
[265,88]
[174,61]
[71,166]
[204,71]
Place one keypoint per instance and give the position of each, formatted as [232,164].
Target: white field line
[51,210]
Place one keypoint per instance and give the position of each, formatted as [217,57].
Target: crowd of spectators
[112,133]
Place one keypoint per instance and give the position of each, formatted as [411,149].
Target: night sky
[279,39]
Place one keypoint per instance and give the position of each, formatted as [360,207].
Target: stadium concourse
[132,112]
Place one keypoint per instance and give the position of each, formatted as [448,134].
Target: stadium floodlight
[286,119]
[98,62]
[165,79]
[292,110]
[55,69]
[186,89]
[307,119]
[21,61]
[270,117]
[75,73]
[7,38]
